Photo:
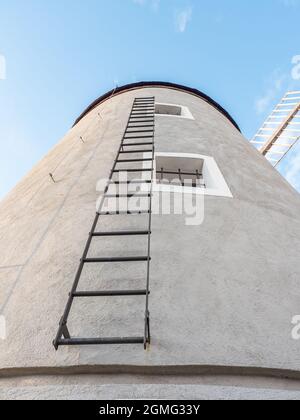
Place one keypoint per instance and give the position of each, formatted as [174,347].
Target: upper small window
[173,110]
[163,109]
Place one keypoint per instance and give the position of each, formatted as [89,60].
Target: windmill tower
[196,303]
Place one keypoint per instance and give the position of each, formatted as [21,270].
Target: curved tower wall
[223,294]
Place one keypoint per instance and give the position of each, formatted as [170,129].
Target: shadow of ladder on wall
[139,132]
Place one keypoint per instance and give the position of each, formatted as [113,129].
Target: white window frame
[213,178]
[185,112]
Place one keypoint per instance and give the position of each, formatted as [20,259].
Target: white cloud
[290,3]
[153,3]
[296,68]
[219,18]
[182,18]
[276,84]
[279,83]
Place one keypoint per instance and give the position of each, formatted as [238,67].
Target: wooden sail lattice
[281,131]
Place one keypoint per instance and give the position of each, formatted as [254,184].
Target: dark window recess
[162,109]
[183,171]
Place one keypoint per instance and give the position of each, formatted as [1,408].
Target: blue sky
[57,56]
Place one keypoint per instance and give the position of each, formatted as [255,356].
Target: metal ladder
[141,130]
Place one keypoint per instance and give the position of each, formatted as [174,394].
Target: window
[187,174]
[173,110]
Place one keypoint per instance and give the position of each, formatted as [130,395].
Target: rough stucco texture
[223,293]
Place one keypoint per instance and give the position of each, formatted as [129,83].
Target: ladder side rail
[63,331]
[147,336]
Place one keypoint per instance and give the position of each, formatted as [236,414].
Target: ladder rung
[138,144]
[100,341]
[137,195]
[141,126]
[137,151]
[134,160]
[137,120]
[139,100]
[143,114]
[148,111]
[142,110]
[122,233]
[123,213]
[117,171]
[138,137]
[137,103]
[149,108]
[141,121]
[135,181]
[148,100]
[136,117]
[115,259]
[145,98]
[139,131]
[111,293]
[144,105]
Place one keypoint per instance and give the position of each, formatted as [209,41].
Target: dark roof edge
[140,85]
